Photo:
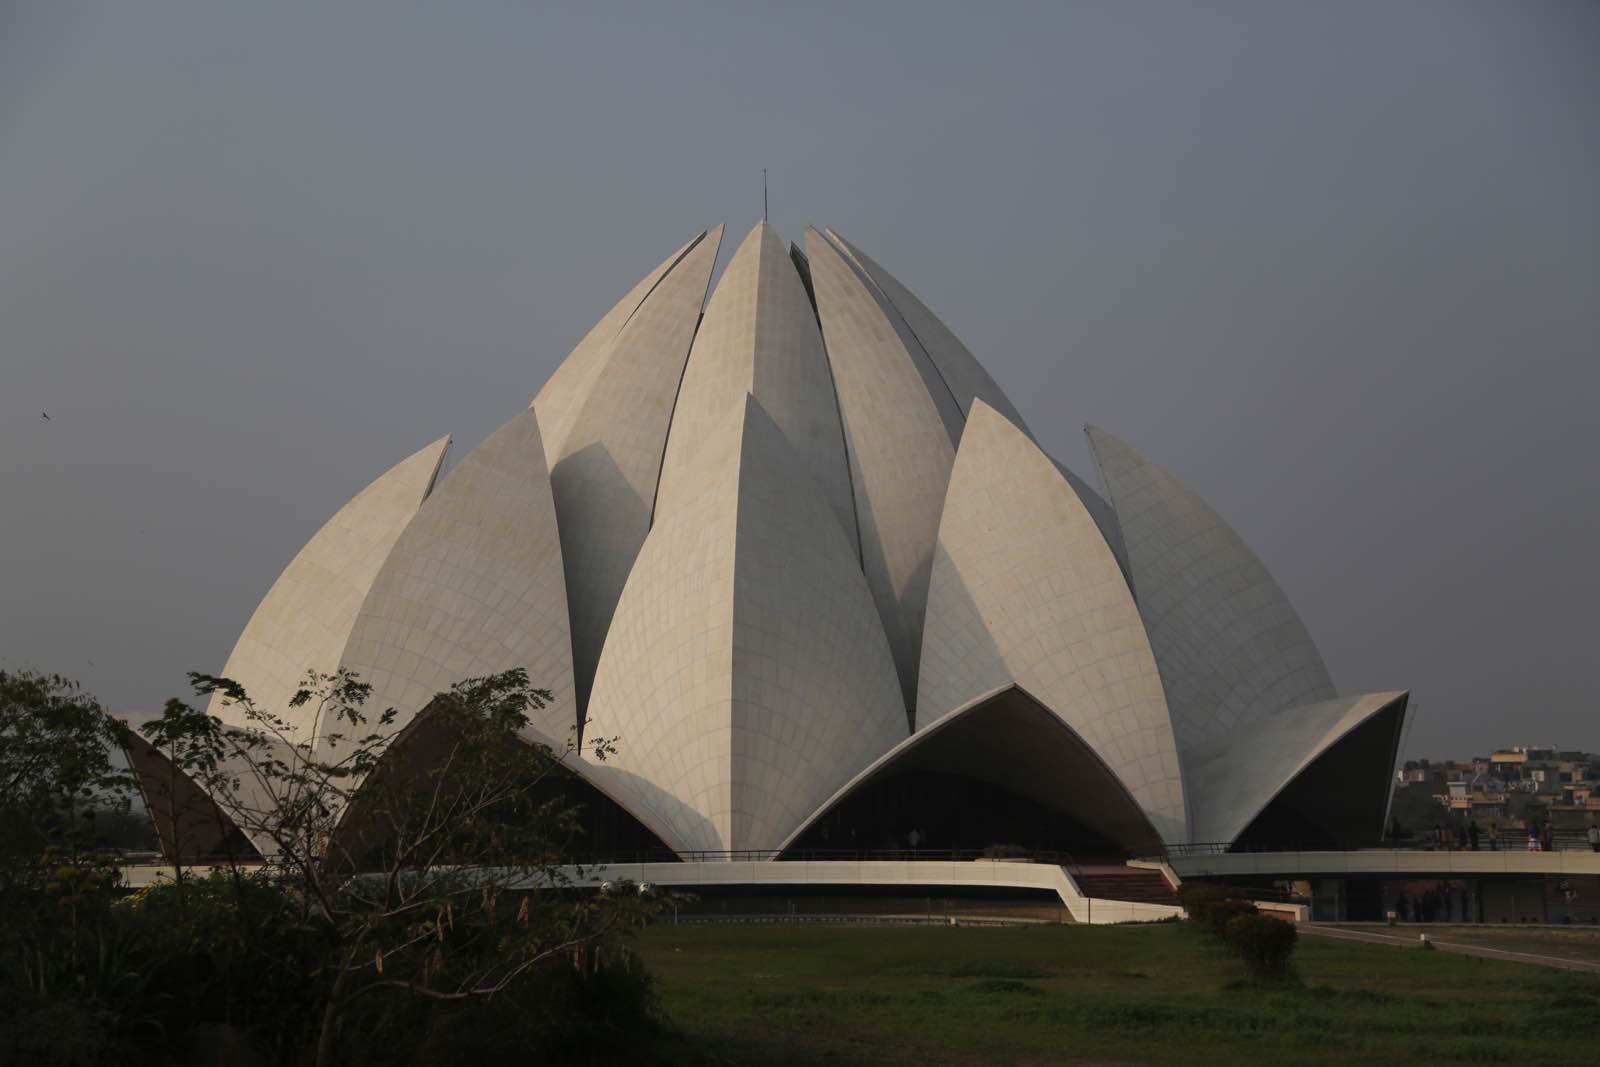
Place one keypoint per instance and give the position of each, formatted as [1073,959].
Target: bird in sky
[45,415]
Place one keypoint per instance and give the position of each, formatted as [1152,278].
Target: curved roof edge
[567,756]
[959,369]
[760,337]
[1104,515]
[609,464]
[560,398]
[155,774]
[1025,587]
[899,463]
[746,673]
[972,708]
[1233,779]
[1231,648]
[306,616]
[867,297]
[475,585]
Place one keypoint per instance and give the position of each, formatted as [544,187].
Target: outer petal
[1009,740]
[424,742]
[962,373]
[1235,779]
[1230,646]
[306,617]
[747,676]
[473,587]
[1104,515]
[607,467]
[760,337]
[189,825]
[562,397]
[1026,591]
[901,424]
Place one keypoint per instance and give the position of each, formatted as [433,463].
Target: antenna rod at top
[763,194]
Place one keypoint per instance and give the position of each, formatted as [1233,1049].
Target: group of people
[1446,838]
[1426,907]
[1541,837]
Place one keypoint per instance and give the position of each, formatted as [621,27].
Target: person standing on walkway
[1546,837]
[1593,834]
[1533,835]
[1494,837]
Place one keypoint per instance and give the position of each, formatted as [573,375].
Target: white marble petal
[306,617]
[607,467]
[760,337]
[746,676]
[962,373]
[1105,516]
[1008,739]
[562,397]
[1025,590]
[1230,646]
[901,425]
[473,587]
[1233,778]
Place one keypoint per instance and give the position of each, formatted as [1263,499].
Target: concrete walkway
[1398,941]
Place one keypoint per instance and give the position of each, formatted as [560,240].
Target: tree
[56,770]
[429,858]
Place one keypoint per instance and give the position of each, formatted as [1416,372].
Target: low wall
[1383,861]
[926,878]
[928,875]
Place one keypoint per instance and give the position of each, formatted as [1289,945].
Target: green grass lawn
[1574,943]
[776,995]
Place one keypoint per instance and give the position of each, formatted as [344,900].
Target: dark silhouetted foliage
[1264,944]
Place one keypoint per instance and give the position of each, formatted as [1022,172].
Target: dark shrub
[1213,906]
[1263,943]
[230,950]
[1197,897]
[1224,912]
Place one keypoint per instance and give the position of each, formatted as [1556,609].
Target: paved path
[1339,934]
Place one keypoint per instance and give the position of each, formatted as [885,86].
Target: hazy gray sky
[1335,264]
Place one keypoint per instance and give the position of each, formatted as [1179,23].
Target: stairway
[1137,884]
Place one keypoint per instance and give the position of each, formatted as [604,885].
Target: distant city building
[1513,787]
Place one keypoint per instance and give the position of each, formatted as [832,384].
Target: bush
[1263,943]
[86,977]
[1214,906]
[1198,897]
[226,949]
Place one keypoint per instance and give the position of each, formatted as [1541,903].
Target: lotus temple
[787,541]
